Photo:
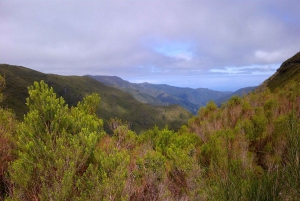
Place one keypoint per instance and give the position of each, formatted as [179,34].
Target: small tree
[54,145]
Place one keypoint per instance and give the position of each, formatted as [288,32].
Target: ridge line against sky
[220,45]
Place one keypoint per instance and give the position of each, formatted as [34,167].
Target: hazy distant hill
[162,94]
[138,92]
[114,102]
[241,92]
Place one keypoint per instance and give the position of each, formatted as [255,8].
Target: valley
[246,149]
[114,102]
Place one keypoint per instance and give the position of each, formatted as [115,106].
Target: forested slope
[114,102]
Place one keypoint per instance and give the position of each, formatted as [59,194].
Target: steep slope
[114,102]
[288,71]
[162,94]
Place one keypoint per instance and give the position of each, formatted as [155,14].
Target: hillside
[250,146]
[138,92]
[114,102]
[288,71]
[247,149]
[162,94]
[241,92]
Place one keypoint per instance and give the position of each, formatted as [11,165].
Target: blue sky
[220,45]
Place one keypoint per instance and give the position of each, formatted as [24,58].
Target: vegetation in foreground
[248,149]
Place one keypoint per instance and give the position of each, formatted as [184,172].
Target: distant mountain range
[114,102]
[143,105]
[241,92]
[162,94]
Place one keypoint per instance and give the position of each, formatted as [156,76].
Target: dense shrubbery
[246,150]
[250,146]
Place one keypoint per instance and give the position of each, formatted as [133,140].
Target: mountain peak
[285,66]
[287,72]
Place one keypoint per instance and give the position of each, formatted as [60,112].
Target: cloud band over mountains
[161,41]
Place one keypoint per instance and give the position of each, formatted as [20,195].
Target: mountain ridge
[163,94]
[114,102]
[288,71]
[240,92]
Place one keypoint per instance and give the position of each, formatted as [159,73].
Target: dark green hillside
[114,102]
[288,71]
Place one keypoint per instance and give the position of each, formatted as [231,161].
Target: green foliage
[234,101]
[270,108]
[124,137]
[259,121]
[170,161]
[291,161]
[151,167]
[211,106]
[113,172]
[268,186]
[7,130]
[2,86]
[250,146]
[163,140]
[54,144]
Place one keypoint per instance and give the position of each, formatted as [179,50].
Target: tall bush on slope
[54,145]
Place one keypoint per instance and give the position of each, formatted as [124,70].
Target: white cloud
[273,56]
[266,69]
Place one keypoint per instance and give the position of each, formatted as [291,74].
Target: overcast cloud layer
[222,45]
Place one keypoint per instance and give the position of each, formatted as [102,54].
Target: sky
[215,44]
